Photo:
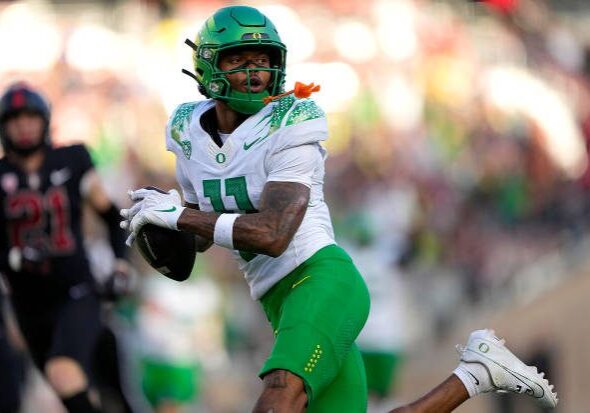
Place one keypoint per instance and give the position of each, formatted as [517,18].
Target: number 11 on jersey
[235,187]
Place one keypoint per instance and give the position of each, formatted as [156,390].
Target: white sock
[474,377]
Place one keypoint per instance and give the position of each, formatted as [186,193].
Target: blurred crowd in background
[458,153]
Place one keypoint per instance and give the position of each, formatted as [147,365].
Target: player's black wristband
[117,235]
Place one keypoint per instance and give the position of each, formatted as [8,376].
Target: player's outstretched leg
[486,366]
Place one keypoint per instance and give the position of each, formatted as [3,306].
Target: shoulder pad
[303,123]
[279,111]
[76,155]
[305,109]
[75,151]
[180,119]
[289,111]
[78,147]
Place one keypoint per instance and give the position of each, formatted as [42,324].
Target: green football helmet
[237,27]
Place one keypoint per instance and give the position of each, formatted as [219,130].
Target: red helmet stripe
[18,99]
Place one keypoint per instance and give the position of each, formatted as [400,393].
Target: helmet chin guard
[246,102]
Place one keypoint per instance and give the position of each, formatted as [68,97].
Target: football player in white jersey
[251,165]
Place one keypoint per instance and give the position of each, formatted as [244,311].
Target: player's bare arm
[268,231]
[282,207]
[203,244]
[94,193]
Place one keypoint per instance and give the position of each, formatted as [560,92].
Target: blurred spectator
[177,341]
[376,237]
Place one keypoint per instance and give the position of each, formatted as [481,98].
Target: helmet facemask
[244,102]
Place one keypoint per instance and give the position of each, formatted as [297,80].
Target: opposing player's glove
[121,282]
[154,206]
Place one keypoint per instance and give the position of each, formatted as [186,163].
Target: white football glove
[168,205]
[163,215]
[147,197]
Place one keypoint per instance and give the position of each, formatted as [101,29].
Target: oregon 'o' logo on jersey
[220,158]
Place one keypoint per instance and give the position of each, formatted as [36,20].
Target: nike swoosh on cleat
[166,210]
[539,394]
[528,388]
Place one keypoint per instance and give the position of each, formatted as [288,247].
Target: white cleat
[507,373]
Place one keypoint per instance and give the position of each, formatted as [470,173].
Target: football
[171,253]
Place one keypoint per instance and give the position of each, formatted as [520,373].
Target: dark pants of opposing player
[11,376]
[67,329]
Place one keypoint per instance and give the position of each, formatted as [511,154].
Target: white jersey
[279,143]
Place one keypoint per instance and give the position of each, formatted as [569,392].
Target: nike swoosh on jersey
[249,145]
[166,210]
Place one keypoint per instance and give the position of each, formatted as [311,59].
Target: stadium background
[458,164]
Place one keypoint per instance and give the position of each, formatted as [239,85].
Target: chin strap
[300,91]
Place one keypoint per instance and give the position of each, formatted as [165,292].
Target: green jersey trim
[277,115]
[179,123]
[305,110]
[279,112]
